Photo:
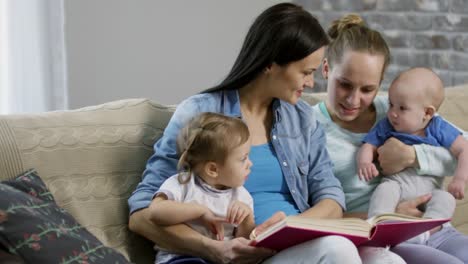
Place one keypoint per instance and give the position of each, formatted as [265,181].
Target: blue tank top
[267,185]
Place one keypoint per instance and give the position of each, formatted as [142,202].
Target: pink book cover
[387,233]
[392,233]
[289,236]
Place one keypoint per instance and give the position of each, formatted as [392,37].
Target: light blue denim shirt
[297,138]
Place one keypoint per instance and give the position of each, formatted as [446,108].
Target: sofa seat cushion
[33,227]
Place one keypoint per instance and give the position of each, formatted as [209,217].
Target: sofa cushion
[35,228]
[455,109]
[91,159]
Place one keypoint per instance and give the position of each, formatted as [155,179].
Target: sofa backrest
[91,159]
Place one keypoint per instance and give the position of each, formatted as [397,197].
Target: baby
[208,193]
[414,98]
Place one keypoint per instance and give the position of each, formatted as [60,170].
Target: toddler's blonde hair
[208,137]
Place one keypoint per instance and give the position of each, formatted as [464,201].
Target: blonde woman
[354,67]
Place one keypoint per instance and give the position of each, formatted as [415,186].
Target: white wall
[165,50]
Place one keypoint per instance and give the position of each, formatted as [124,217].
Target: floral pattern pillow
[35,228]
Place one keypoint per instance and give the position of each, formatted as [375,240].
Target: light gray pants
[408,185]
[334,249]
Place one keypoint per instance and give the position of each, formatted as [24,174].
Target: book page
[268,231]
[394,217]
[351,226]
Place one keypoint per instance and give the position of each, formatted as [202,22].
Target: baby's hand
[237,212]
[457,188]
[214,223]
[367,171]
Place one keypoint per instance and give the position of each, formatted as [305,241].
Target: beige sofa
[92,159]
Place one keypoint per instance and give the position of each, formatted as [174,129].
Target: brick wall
[431,33]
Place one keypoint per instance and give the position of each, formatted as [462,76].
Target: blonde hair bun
[345,23]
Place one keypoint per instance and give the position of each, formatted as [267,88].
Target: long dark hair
[282,34]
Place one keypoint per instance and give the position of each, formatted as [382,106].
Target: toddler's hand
[367,171]
[457,188]
[237,212]
[214,223]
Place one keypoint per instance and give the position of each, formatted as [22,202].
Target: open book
[382,230]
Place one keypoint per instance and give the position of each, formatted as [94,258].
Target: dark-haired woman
[292,171]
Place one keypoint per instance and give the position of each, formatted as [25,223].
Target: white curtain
[33,62]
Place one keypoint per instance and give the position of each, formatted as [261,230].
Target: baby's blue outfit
[408,184]
[438,133]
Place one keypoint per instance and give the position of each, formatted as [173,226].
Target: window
[33,70]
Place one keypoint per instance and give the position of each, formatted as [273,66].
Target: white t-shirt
[197,191]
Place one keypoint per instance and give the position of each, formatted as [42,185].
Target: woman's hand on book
[275,218]
[239,251]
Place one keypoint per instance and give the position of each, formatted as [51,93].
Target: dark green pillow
[35,228]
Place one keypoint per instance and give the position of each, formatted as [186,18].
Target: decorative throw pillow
[35,228]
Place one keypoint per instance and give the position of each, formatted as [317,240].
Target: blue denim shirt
[296,135]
